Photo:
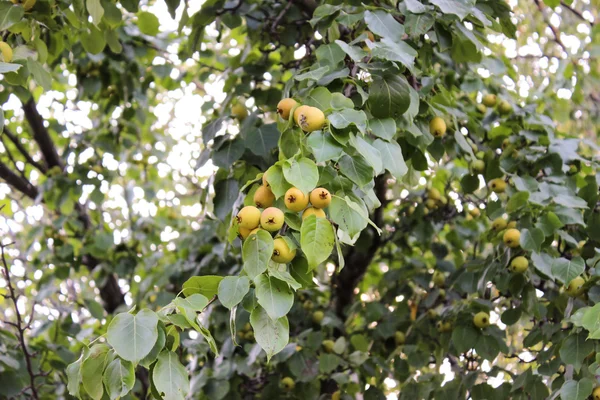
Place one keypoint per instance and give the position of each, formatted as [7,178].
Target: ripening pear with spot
[320,198]
[282,252]
[313,211]
[288,384]
[512,238]
[295,199]
[575,287]
[499,224]
[481,320]
[239,111]
[272,219]
[519,265]
[248,217]
[264,197]
[284,107]
[309,119]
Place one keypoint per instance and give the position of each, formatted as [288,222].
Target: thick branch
[357,261]
[13,138]
[41,135]
[18,182]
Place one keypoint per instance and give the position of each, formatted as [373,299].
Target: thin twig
[19,325]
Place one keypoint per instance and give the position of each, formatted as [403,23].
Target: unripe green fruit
[481,320]
[480,155]
[511,225]
[497,185]
[478,166]
[337,395]
[284,107]
[575,287]
[475,212]
[434,194]
[437,127]
[499,224]
[6,51]
[272,219]
[281,251]
[248,217]
[320,198]
[481,108]
[308,305]
[318,316]
[239,111]
[438,278]
[489,100]
[504,107]
[264,197]
[430,204]
[328,345]
[399,338]
[288,384]
[512,238]
[519,265]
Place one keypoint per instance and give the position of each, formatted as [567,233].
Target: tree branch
[17,182]
[13,138]
[41,135]
[357,261]
[577,13]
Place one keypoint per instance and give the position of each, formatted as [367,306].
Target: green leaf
[280,272]
[148,23]
[464,337]
[92,368]
[228,153]
[263,139]
[226,193]
[96,10]
[301,272]
[383,24]
[566,270]
[9,67]
[532,240]
[460,8]
[41,76]
[324,146]
[190,306]
[391,154]
[158,346]
[9,15]
[383,128]
[575,349]
[170,377]
[330,54]
[277,181]
[273,295]
[314,75]
[348,219]
[576,390]
[370,153]
[133,336]
[591,321]
[271,336]
[319,97]
[119,378]
[317,240]
[93,40]
[301,173]
[356,169]
[206,285]
[389,96]
[74,374]
[232,290]
[395,51]
[417,25]
[462,142]
[355,52]
[257,252]
[346,117]
[543,263]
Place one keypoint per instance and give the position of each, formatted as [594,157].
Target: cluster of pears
[434,200]
[308,118]
[511,236]
[246,332]
[251,219]
[491,100]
